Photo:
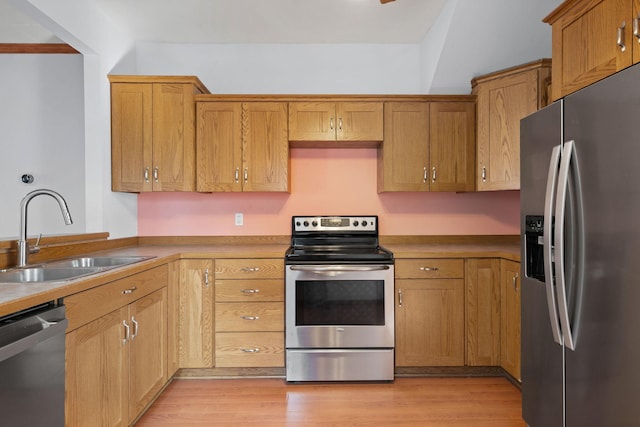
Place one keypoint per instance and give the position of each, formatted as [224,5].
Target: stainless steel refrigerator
[580,222]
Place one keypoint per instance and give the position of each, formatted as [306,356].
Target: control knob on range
[314,223]
[306,223]
[355,223]
[364,223]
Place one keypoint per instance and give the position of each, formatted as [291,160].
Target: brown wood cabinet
[153,133]
[347,121]
[195,313]
[510,307]
[242,146]
[592,39]
[429,312]
[249,313]
[428,146]
[503,99]
[116,363]
[482,277]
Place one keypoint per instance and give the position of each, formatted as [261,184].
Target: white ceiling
[250,21]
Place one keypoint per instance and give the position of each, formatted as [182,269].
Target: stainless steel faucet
[23,244]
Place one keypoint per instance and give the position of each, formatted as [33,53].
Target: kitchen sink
[44,274]
[67,269]
[100,261]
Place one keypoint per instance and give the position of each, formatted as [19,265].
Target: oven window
[339,302]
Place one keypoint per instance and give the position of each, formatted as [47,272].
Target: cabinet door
[430,322]
[131,136]
[359,121]
[312,121]
[97,377]
[502,102]
[219,146]
[452,146]
[403,158]
[482,277]
[510,331]
[148,351]
[265,146]
[585,45]
[195,337]
[173,137]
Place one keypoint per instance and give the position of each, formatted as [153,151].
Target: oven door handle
[338,268]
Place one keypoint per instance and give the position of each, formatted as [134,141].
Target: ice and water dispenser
[534,247]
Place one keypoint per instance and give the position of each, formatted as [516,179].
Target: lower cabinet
[482,277]
[116,361]
[249,313]
[429,312]
[195,313]
[510,328]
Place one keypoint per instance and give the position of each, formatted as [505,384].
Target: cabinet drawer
[249,290]
[249,349]
[430,268]
[259,268]
[250,316]
[91,304]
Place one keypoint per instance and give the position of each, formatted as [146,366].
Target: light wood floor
[425,402]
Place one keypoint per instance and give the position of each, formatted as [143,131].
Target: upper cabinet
[503,99]
[242,146]
[428,145]
[349,122]
[153,133]
[592,39]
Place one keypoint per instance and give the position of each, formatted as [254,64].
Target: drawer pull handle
[206,277]
[129,291]
[250,317]
[250,291]
[429,268]
[250,269]
[251,350]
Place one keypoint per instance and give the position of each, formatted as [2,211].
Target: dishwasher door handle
[49,329]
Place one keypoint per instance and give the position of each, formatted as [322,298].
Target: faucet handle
[36,248]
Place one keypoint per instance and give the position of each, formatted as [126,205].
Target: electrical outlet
[239,219]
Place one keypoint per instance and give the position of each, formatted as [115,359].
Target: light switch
[239,219]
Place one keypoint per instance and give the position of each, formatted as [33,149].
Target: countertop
[16,297]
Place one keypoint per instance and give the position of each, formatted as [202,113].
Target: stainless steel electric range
[339,301]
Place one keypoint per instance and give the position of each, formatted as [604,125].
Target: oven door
[339,306]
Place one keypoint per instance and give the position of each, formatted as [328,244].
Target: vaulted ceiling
[250,21]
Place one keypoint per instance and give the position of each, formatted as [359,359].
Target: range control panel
[335,223]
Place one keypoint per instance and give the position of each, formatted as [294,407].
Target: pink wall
[329,182]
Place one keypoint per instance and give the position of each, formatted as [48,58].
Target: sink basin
[100,261]
[67,269]
[44,274]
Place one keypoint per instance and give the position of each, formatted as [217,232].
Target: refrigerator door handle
[552,180]
[561,199]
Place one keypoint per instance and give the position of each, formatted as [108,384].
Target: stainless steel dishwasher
[32,367]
